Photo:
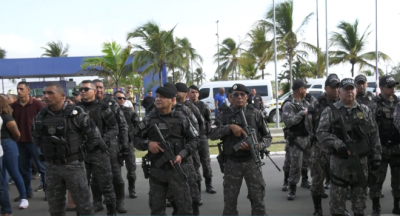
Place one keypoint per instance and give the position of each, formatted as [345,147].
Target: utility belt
[238,159]
[61,161]
[166,165]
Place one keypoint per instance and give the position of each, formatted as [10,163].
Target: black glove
[342,152]
[375,165]
[124,153]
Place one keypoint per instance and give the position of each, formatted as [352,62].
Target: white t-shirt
[128,104]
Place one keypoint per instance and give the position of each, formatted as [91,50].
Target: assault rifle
[355,159]
[266,153]
[250,140]
[168,155]
[220,157]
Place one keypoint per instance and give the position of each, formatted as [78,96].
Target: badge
[60,127]
[162,126]
[51,130]
[360,115]
[74,112]
[252,101]
[234,87]
[369,98]
[109,104]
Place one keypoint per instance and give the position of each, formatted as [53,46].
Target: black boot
[111,210]
[120,196]
[131,189]
[304,180]
[168,204]
[327,185]
[292,192]
[376,207]
[348,195]
[396,209]
[174,207]
[97,201]
[317,205]
[209,188]
[285,186]
[324,194]
[195,207]
[199,185]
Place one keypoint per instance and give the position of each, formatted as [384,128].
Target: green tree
[155,50]
[287,38]
[249,71]
[189,56]
[301,70]
[111,64]
[54,49]
[199,75]
[350,44]
[2,53]
[229,58]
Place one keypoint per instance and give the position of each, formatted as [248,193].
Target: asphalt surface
[275,199]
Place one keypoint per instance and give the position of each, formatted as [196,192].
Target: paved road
[275,199]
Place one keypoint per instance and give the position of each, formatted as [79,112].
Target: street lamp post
[276,73]
[326,35]
[218,48]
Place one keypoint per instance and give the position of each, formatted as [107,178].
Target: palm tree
[351,44]
[200,76]
[156,49]
[189,56]
[286,37]
[54,49]
[2,53]
[229,58]
[249,70]
[301,70]
[111,64]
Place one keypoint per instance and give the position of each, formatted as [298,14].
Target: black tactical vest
[357,128]
[128,116]
[298,129]
[171,128]
[233,117]
[63,128]
[364,99]
[95,110]
[323,103]
[388,133]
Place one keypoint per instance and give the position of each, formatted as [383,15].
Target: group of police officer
[352,137]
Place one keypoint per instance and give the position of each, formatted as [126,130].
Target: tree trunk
[352,70]
[160,76]
[262,73]
[290,70]
[116,85]
[173,75]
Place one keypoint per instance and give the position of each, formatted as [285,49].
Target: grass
[214,149]
[273,125]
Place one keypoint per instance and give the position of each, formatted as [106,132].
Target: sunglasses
[121,98]
[237,94]
[86,89]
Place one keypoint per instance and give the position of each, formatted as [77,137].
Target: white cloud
[17,45]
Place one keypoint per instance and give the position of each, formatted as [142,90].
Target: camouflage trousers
[163,181]
[130,164]
[319,162]
[378,176]
[298,162]
[98,166]
[233,178]
[286,163]
[116,164]
[204,154]
[342,170]
[72,177]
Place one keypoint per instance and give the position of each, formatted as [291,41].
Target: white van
[210,89]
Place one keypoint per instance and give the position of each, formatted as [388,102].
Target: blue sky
[26,26]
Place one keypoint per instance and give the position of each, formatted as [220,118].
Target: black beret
[298,84]
[194,87]
[240,87]
[168,90]
[181,87]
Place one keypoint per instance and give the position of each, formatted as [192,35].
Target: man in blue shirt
[219,99]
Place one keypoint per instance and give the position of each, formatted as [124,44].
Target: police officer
[98,162]
[360,126]
[132,120]
[255,100]
[320,159]
[177,129]
[240,164]
[118,152]
[294,111]
[363,96]
[204,151]
[59,130]
[386,105]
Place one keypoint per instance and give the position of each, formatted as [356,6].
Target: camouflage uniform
[166,178]
[342,171]
[98,163]
[204,151]
[387,118]
[240,164]
[299,150]
[68,173]
[368,100]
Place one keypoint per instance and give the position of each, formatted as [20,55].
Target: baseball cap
[76,93]
[347,82]
[332,81]
[360,77]
[298,84]
[387,81]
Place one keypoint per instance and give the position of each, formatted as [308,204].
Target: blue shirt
[220,98]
